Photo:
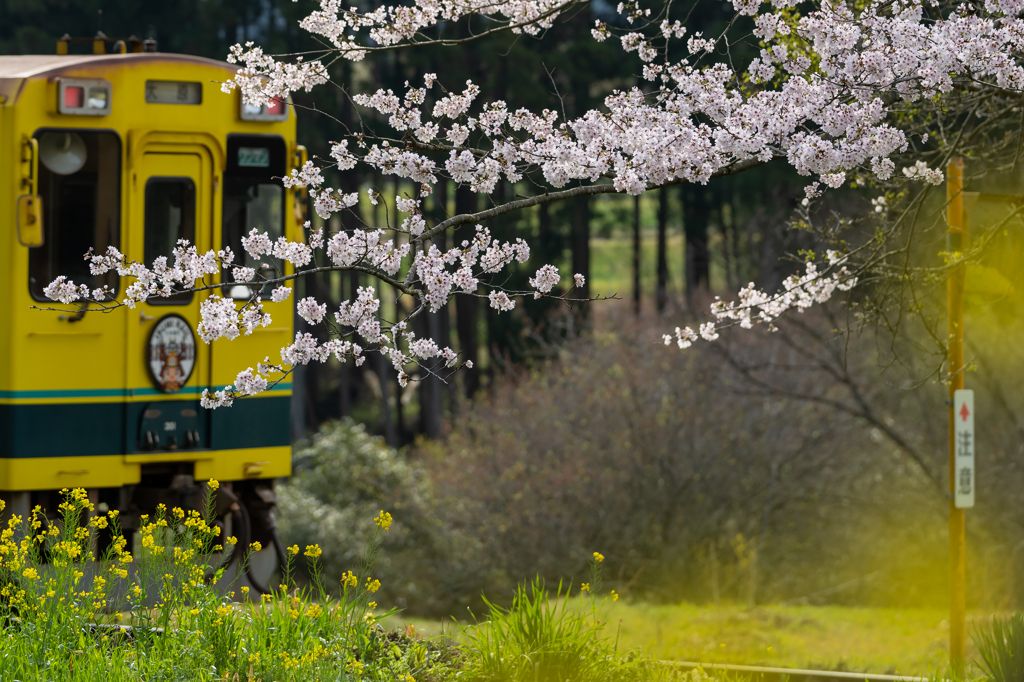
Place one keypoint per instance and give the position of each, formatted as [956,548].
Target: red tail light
[84,97]
[275,107]
[74,97]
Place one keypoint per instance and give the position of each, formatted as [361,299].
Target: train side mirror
[30,220]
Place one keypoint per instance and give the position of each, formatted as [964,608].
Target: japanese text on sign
[963,434]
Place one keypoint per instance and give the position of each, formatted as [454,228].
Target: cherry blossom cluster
[188,270]
[819,100]
[753,306]
[341,24]
[264,79]
[434,278]
[821,94]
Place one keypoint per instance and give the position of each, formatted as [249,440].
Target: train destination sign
[172,353]
[963,434]
[253,157]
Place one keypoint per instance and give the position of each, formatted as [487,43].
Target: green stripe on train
[108,392]
[89,429]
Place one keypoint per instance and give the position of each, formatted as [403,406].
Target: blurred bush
[342,479]
[762,468]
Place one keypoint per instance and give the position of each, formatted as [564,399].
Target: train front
[137,151]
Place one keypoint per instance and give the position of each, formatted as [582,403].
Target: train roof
[35,66]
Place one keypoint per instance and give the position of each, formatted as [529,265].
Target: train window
[170,216]
[253,198]
[80,183]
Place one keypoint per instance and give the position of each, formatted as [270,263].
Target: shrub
[1001,646]
[343,475]
[555,638]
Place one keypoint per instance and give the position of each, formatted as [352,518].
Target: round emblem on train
[172,353]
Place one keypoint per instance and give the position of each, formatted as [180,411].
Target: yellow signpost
[956,240]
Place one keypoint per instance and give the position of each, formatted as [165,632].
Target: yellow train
[136,149]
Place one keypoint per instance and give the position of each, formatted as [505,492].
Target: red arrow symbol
[964,412]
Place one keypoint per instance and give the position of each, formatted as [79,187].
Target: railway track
[757,673]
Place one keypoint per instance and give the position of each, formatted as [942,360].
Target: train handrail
[798,672]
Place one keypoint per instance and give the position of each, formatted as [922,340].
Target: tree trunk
[728,244]
[544,228]
[345,374]
[385,374]
[314,372]
[467,309]
[581,245]
[714,573]
[661,293]
[636,255]
[698,264]
[432,326]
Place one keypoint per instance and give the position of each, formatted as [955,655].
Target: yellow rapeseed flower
[256,546]
[372,584]
[213,483]
[598,557]
[30,573]
[615,596]
[313,551]
[585,587]
[383,520]
[293,550]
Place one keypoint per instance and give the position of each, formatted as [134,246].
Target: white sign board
[963,435]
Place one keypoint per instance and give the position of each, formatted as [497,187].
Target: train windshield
[80,184]
[170,216]
[254,198]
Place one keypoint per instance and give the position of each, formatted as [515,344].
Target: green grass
[875,640]
[57,623]
[611,266]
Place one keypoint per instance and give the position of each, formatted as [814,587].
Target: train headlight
[62,153]
[81,97]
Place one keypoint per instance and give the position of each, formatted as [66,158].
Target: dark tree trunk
[345,373]
[399,408]
[698,264]
[727,221]
[661,293]
[432,326]
[467,308]
[636,255]
[385,375]
[543,227]
[581,245]
[314,371]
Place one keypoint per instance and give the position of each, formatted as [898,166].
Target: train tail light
[83,97]
[274,110]
[74,97]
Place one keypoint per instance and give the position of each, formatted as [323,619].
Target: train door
[253,197]
[66,369]
[172,191]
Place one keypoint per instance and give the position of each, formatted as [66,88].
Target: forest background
[792,467]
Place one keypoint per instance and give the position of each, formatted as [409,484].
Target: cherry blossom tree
[865,94]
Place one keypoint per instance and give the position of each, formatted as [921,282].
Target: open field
[875,640]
